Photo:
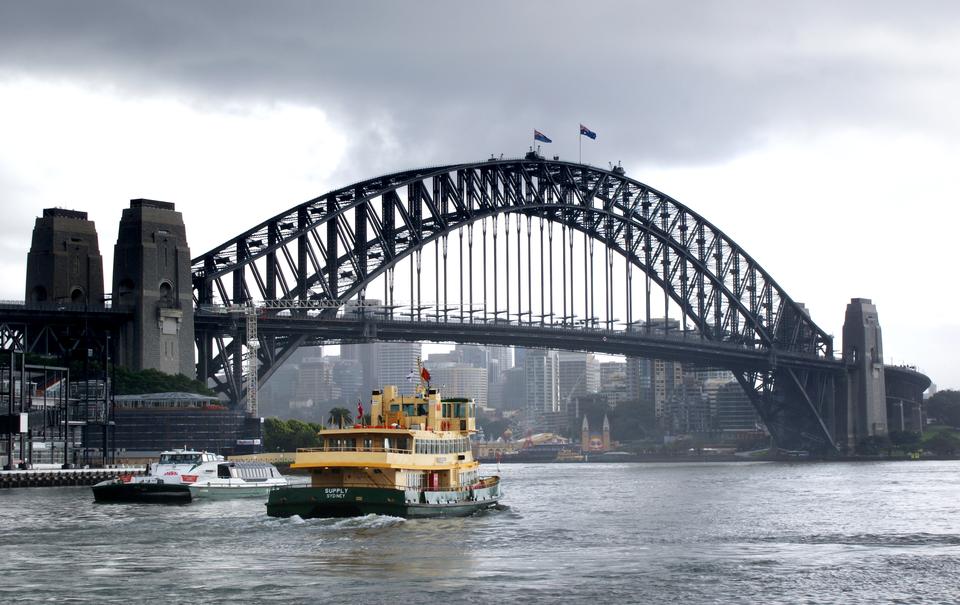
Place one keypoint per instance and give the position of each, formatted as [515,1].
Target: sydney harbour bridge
[529,252]
[525,252]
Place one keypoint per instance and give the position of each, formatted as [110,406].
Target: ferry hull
[141,492]
[313,502]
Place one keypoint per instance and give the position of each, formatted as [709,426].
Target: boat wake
[336,523]
[366,522]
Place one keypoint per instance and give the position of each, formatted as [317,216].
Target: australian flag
[539,136]
[584,131]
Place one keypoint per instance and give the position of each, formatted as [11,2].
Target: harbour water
[600,533]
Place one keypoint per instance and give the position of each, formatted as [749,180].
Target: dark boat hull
[141,492]
[313,502]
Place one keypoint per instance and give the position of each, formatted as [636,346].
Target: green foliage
[945,407]
[943,443]
[133,382]
[907,440]
[340,417]
[288,435]
[874,445]
[493,429]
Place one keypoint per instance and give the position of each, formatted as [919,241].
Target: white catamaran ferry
[182,475]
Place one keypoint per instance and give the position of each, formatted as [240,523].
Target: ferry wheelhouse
[415,461]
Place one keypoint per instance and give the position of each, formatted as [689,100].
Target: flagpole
[580,144]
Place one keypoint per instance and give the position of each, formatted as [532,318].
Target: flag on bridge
[539,136]
[425,375]
[359,412]
[412,376]
[586,132]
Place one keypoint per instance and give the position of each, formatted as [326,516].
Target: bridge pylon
[151,278]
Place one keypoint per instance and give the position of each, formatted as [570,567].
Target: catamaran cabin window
[179,458]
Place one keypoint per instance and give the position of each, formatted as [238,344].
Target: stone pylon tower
[863,356]
[64,263]
[585,435]
[151,277]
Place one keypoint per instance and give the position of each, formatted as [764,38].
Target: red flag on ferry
[359,412]
[425,374]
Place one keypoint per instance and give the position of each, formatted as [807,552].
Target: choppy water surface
[626,533]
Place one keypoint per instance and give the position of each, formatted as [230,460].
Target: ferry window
[458,411]
[394,407]
[351,444]
[408,409]
[180,459]
[421,409]
[368,444]
[446,410]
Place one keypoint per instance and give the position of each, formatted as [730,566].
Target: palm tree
[340,417]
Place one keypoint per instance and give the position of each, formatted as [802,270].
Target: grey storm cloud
[660,82]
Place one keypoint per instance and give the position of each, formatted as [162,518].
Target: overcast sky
[821,136]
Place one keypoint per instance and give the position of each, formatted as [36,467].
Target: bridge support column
[151,277]
[64,264]
[798,407]
[863,356]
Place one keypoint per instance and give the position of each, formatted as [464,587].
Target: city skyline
[821,140]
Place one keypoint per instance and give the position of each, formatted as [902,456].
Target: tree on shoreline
[340,417]
[944,406]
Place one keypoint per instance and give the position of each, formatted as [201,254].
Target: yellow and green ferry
[415,461]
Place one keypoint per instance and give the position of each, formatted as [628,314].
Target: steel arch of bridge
[329,250]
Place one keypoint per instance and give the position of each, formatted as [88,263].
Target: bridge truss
[481,252]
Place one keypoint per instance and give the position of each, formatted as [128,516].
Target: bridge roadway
[682,346]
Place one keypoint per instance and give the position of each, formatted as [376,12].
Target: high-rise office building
[474,355]
[613,383]
[395,361]
[579,374]
[499,360]
[541,370]
[460,380]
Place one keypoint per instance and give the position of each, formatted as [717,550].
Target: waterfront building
[150,423]
[735,413]
[686,409]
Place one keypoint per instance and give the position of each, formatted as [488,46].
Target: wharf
[55,477]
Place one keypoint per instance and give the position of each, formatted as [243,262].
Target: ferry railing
[359,448]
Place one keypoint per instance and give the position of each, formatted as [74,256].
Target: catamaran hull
[141,492]
[223,493]
[313,502]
